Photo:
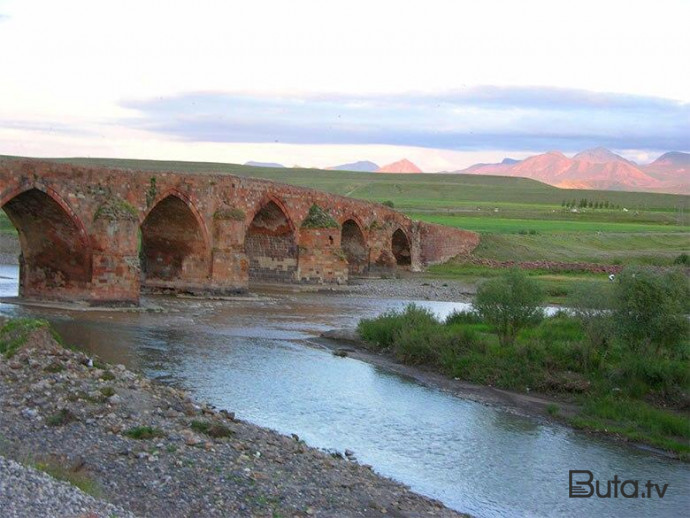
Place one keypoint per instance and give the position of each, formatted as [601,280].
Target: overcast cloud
[510,118]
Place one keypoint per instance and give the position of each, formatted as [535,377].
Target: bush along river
[256,357]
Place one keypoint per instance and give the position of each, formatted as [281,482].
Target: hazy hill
[670,167]
[263,164]
[363,166]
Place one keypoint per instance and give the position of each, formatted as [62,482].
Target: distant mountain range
[597,168]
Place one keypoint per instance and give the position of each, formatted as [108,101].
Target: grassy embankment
[624,380]
[519,219]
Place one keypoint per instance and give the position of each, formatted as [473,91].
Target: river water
[253,357]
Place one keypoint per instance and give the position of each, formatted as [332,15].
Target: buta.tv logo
[583,485]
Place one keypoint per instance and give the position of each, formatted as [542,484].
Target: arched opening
[401,248]
[56,258]
[270,246]
[355,247]
[173,249]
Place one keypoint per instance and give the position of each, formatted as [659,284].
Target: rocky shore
[143,449]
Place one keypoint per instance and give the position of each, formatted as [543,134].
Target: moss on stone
[233,214]
[319,218]
[116,210]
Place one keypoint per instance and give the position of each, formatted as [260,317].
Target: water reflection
[250,357]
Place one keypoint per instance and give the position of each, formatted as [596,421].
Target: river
[253,356]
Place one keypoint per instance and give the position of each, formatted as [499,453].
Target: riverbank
[526,404]
[154,451]
[565,408]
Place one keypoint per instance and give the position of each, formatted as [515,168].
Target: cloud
[45,127]
[482,118]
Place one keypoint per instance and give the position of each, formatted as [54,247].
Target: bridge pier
[321,258]
[230,266]
[116,277]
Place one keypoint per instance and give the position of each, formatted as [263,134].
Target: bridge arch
[401,247]
[56,254]
[175,250]
[270,243]
[354,244]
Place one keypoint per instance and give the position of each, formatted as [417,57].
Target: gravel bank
[412,287]
[193,461]
[26,492]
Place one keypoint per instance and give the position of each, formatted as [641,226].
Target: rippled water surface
[252,357]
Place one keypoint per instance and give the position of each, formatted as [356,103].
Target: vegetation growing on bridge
[623,355]
[319,218]
[233,214]
[116,209]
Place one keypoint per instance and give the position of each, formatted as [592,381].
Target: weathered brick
[203,233]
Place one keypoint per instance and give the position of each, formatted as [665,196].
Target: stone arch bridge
[102,235]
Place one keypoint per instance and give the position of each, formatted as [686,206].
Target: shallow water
[252,357]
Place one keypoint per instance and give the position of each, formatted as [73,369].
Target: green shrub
[509,303]
[319,218]
[381,332]
[463,317]
[61,417]
[650,309]
[216,430]
[388,203]
[420,343]
[591,303]
[682,259]
[144,432]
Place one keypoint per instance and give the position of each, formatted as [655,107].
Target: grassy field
[519,219]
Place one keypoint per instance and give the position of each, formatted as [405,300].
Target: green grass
[61,417]
[502,225]
[215,430]
[638,421]
[78,479]
[15,333]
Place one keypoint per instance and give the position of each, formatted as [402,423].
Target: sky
[445,84]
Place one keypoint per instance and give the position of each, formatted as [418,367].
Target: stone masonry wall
[440,243]
[109,206]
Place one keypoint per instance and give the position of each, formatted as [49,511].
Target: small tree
[650,309]
[509,303]
[591,304]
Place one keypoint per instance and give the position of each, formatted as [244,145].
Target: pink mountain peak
[401,166]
